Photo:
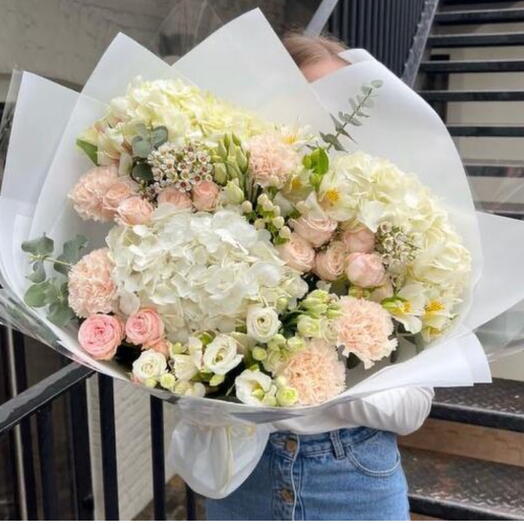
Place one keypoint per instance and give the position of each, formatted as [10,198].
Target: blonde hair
[306,50]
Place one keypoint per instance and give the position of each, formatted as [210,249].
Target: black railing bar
[108,438]
[418,44]
[81,458]
[44,422]
[190,504]
[26,403]
[156,409]
[320,17]
[29,507]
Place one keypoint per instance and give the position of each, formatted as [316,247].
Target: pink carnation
[88,193]
[100,336]
[145,328]
[271,161]
[134,211]
[91,286]
[315,372]
[364,329]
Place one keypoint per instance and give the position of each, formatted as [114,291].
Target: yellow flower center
[289,139]
[434,306]
[296,184]
[332,195]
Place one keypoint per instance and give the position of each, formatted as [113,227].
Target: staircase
[467,461]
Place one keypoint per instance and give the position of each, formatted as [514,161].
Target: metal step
[475,40]
[484,16]
[497,405]
[459,488]
[495,169]
[479,130]
[472,66]
[472,96]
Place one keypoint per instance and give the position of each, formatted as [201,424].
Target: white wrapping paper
[216,444]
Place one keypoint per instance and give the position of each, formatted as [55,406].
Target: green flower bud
[287,396]
[309,327]
[285,232]
[254,367]
[150,382]
[206,337]
[232,169]
[258,393]
[358,292]
[259,353]
[167,381]
[176,349]
[269,400]
[216,380]
[282,304]
[319,294]
[247,207]
[296,343]
[334,312]
[281,382]
[241,159]
[278,222]
[220,173]
[278,339]
[234,195]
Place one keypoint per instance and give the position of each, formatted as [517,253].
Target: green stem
[353,114]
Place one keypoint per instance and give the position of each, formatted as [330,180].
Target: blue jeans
[350,474]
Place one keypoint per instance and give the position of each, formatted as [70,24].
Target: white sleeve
[400,410]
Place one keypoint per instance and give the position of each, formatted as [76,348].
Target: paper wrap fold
[217,444]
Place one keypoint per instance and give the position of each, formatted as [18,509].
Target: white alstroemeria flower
[149,365]
[252,386]
[437,316]
[221,355]
[408,306]
[262,323]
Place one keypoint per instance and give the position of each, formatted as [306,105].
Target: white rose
[262,323]
[221,356]
[252,386]
[149,365]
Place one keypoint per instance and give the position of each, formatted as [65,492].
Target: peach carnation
[271,161]
[91,286]
[315,372]
[88,193]
[364,328]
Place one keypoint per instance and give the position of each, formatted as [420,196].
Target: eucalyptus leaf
[369,103]
[38,275]
[37,294]
[142,173]
[332,140]
[89,149]
[141,147]
[60,314]
[159,136]
[70,253]
[39,247]
[142,130]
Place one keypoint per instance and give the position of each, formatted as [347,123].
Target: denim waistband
[335,442]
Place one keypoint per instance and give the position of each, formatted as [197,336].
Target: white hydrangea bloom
[200,271]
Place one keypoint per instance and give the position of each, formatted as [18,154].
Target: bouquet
[241,249]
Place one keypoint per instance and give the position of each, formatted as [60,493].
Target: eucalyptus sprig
[51,291]
[358,103]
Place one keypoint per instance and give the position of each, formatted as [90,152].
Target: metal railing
[394,31]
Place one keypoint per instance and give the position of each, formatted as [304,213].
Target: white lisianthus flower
[221,355]
[149,365]
[184,367]
[262,323]
[252,387]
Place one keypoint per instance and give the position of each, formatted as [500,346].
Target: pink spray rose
[179,199]
[205,195]
[133,211]
[316,231]
[100,336]
[298,253]
[88,193]
[117,192]
[361,240]
[330,264]
[365,270]
[144,328]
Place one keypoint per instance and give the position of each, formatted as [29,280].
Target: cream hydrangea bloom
[200,271]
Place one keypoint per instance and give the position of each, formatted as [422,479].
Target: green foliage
[147,140]
[142,173]
[89,149]
[317,162]
[362,100]
[52,292]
